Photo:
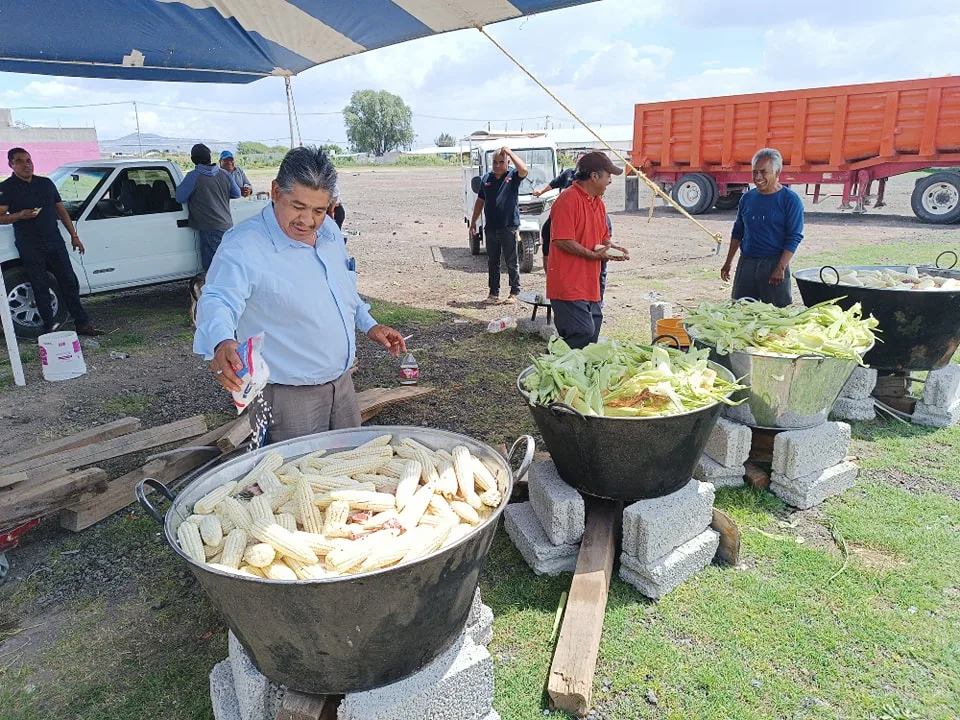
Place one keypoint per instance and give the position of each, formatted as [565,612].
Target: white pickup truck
[134,231]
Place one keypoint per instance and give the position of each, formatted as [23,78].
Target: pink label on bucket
[76,346]
[43,355]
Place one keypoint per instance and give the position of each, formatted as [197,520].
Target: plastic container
[409,370]
[60,356]
[500,324]
[674,327]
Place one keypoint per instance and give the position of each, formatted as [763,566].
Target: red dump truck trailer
[852,136]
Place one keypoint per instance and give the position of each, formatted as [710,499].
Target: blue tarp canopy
[224,41]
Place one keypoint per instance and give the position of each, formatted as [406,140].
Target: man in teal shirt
[286,273]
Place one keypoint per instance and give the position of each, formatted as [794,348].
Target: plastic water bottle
[409,370]
[499,324]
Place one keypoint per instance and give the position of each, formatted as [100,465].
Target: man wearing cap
[579,220]
[499,200]
[239,176]
[208,190]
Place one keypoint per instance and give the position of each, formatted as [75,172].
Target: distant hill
[130,145]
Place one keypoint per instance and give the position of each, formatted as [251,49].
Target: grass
[394,314]
[124,405]
[887,254]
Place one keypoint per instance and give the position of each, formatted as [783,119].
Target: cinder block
[942,387]
[933,416]
[800,452]
[480,621]
[531,327]
[654,527]
[558,506]
[860,384]
[543,557]
[257,696]
[547,331]
[222,695]
[729,443]
[709,470]
[846,408]
[659,311]
[810,490]
[656,579]
[458,685]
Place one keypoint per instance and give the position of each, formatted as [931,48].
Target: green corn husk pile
[824,329]
[613,379]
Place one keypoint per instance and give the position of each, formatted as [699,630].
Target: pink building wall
[49,155]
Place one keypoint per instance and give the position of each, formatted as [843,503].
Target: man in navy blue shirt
[767,232]
[32,205]
[498,199]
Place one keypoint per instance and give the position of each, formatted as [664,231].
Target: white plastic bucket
[60,356]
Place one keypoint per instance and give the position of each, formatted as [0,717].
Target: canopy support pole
[136,114]
[13,349]
[286,80]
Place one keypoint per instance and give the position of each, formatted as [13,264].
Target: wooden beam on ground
[12,479]
[376,400]
[728,552]
[124,445]
[755,475]
[22,504]
[92,508]
[301,706]
[570,685]
[235,437]
[87,437]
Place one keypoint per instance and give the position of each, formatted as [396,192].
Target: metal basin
[919,329]
[355,633]
[784,391]
[624,458]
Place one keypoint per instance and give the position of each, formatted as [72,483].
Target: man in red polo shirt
[579,224]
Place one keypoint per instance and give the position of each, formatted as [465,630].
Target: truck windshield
[541,167]
[77,185]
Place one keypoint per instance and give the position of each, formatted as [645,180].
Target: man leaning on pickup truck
[286,273]
[767,232]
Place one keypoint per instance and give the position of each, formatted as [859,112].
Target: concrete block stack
[667,540]
[855,401]
[810,465]
[940,404]
[547,530]
[539,326]
[458,685]
[724,455]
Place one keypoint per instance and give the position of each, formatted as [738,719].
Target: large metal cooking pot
[919,329]
[794,391]
[354,633]
[624,458]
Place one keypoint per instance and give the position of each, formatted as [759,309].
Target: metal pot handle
[946,252]
[837,272]
[668,337]
[559,406]
[147,505]
[527,455]
[746,298]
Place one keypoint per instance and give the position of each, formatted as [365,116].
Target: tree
[251,147]
[333,149]
[445,140]
[378,122]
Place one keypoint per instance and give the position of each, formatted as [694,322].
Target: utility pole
[136,115]
[286,80]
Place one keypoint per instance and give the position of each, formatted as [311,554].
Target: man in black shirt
[32,205]
[498,199]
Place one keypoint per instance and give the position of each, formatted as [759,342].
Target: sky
[600,58]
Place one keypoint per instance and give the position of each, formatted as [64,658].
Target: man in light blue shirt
[286,273]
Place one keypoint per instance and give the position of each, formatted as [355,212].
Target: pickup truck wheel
[475,244]
[694,193]
[936,198]
[27,323]
[728,201]
[525,252]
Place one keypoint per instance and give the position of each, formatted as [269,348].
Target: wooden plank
[301,706]
[728,552]
[235,437]
[570,684]
[755,475]
[761,445]
[134,442]
[20,505]
[375,400]
[12,478]
[87,437]
[92,508]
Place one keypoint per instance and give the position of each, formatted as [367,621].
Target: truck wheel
[729,201]
[525,251]
[475,244]
[694,193]
[27,323]
[936,198]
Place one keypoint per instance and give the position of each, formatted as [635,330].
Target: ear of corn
[237,512]
[447,483]
[305,572]
[325,483]
[499,472]
[307,512]
[350,555]
[211,531]
[483,479]
[361,451]
[417,506]
[378,441]
[382,483]
[268,481]
[431,520]
[365,499]
[270,462]
[430,543]
[233,547]
[226,524]
[260,508]
[206,504]
[444,455]
[188,535]
[318,543]
[367,463]
[211,553]
[259,555]
[288,521]
[465,511]
[232,571]
[314,465]
[195,519]
[409,481]
[463,466]
[253,571]
[457,532]
[441,508]
[280,497]
[279,570]
[394,468]
[380,519]
[283,541]
[491,498]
